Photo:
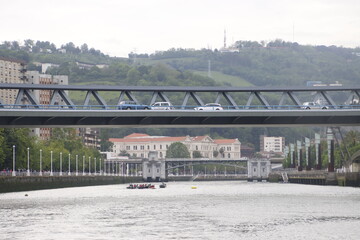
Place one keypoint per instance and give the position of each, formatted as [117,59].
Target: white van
[162,106]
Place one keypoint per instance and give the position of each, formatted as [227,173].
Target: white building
[272,144]
[139,145]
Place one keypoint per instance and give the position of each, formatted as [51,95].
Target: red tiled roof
[224,141]
[199,138]
[156,139]
[137,135]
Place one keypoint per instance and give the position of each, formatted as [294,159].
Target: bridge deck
[176,118]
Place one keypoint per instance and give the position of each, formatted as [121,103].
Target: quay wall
[25,183]
[318,178]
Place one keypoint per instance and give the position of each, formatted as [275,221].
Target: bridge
[259,109]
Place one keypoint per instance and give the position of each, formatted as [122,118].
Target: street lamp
[100,166]
[28,162]
[95,166]
[69,173]
[51,163]
[83,165]
[14,171]
[60,164]
[40,173]
[89,166]
[76,166]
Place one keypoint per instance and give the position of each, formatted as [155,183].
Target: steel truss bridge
[255,112]
[173,163]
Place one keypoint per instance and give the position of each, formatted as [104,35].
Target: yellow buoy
[193,187]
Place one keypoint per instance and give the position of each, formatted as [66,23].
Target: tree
[177,150]
[124,153]
[197,154]
[84,48]
[222,151]
[215,153]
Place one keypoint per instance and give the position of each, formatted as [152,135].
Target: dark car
[132,105]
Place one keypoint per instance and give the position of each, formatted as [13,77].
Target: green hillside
[224,79]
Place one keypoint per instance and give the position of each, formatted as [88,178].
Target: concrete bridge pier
[259,169]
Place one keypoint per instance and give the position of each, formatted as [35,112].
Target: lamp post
[83,165]
[14,171]
[40,173]
[89,166]
[76,173]
[28,162]
[60,173]
[51,163]
[95,166]
[69,171]
[100,166]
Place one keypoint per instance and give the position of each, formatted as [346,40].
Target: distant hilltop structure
[226,49]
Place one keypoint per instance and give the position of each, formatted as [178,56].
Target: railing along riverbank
[27,183]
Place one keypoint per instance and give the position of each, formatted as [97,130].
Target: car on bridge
[210,107]
[313,105]
[132,105]
[162,106]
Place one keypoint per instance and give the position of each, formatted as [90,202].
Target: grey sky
[118,27]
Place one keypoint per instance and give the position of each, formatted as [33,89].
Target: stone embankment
[22,183]
[319,178]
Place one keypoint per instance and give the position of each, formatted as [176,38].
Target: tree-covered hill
[276,63]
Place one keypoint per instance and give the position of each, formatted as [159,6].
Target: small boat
[140,186]
[132,186]
[193,187]
[162,185]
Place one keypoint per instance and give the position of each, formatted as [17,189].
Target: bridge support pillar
[258,169]
[153,168]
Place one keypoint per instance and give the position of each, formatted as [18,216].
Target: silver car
[162,106]
[313,105]
[210,107]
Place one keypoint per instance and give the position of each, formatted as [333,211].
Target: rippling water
[215,210]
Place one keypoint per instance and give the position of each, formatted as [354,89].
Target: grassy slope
[226,79]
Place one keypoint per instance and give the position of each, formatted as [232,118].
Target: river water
[214,210]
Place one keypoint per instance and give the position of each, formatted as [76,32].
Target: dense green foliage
[177,150]
[63,141]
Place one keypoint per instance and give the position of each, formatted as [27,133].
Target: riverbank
[319,178]
[24,183]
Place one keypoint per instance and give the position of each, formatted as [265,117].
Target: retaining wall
[14,184]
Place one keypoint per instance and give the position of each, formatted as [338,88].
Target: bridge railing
[175,107]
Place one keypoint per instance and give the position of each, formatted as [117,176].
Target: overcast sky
[117,27]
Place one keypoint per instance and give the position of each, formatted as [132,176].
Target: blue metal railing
[175,107]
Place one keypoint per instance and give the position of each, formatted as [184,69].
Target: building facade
[272,144]
[43,97]
[11,71]
[139,146]
[90,137]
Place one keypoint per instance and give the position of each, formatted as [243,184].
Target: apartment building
[90,137]
[43,97]
[272,144]
[139,145]
[11,71]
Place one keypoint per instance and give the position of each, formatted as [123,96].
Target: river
[214,210]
